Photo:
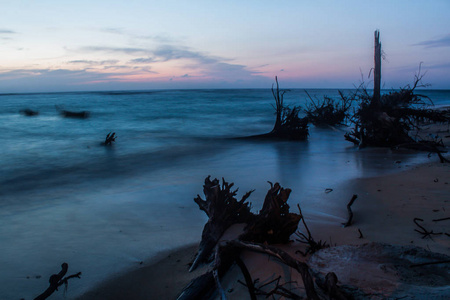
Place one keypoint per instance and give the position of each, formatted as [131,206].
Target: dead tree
[56,280]
[110,138]
[274,224]
[223,210]
[328,112]
[288,124]
[377,68]
[388,120]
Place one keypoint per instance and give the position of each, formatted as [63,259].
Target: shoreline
[384,212]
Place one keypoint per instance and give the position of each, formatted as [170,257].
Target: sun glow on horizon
[232,44]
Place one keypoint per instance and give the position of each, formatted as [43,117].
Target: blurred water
[63,197]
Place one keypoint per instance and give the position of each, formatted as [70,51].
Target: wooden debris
[328,112]
[223,210]
[110,138]
[72,114]
[361,236]
[273,224]
[443,219]
[29,112]
[288,124]
[313,246]
[56,280]
[424,232]
[350,212]
[388,120]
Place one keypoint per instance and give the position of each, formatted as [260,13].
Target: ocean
[66,198]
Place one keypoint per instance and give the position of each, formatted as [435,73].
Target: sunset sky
[82,45]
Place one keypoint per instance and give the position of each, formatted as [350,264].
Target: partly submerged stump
[110,138]
[29,112]
[72,114]
[288,124]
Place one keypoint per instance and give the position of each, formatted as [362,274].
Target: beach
[383,212]
[111,211]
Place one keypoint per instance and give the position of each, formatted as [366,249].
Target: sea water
[64,197]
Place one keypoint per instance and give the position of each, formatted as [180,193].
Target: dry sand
[383,212]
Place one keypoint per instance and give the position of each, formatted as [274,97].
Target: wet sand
[383,212]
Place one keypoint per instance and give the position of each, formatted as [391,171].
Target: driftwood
[286,259]
[110,138]
[73,114]
[442,219]
[56,280]
[377,67]
[313,246]
[388,120]
[223,210]
[288,124]
[29,112]
[273,224]
[350,212]
[328,112]
[424,232]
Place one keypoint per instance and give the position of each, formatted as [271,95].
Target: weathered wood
[57,280]
[223,210]
[328,112]
[273,224]
[377,68]
[29,112]
[247,277]
[110,138]
[288,124]
[350,212]
[313,246]
[286,259]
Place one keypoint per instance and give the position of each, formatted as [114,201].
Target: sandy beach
[383,212]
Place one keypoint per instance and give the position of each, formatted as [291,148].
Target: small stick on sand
[350,213]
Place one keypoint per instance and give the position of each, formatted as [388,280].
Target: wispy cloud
[113,30]
[7,31]
[142,60]
[439,66]
[123,50]
[162,53]
[168,52]
[72,77]
[5,34]
[156,38]
[93,62]
[440,42]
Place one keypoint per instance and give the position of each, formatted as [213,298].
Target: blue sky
[103,45]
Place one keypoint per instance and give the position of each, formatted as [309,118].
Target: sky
[51,46]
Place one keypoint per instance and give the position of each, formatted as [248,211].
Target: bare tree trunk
[279,105]
[377,68]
